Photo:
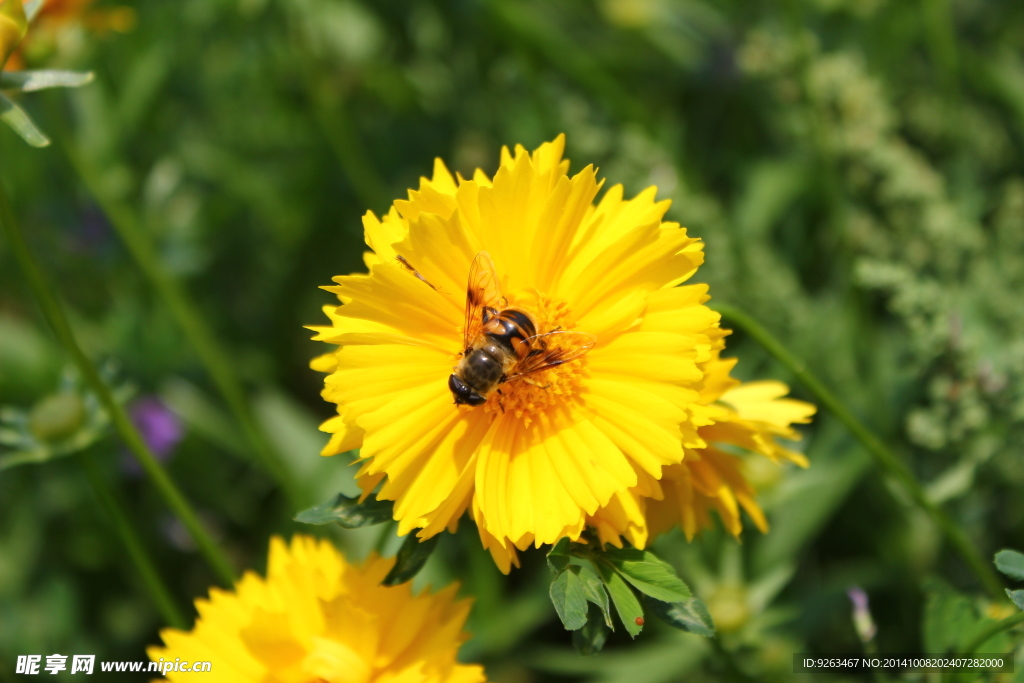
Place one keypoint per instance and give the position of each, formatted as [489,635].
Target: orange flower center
[538,391]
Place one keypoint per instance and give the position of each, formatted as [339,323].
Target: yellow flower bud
[13,25]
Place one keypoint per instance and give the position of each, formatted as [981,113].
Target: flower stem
[387,532]
[157,589]
[54,315]
[211,354]
[355,161]
[994,630]
[883,456]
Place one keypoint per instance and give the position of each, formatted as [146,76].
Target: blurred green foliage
[855,168]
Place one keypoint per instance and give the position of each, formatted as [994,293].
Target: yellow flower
[532,463]
[58,16]
[318,619]
[749,416]
[13,25]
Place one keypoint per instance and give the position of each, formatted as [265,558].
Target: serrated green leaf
[649,574]
[570,599]
[410,559]
[689,615]
[592,636]
[42,79]
[1011,563]
[19,121]
[595,591]
[1017,597]
[348,512]
[624,599]
[558,556]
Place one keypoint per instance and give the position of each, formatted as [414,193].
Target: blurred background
[854,168]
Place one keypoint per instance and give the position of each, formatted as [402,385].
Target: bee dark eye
[463,393]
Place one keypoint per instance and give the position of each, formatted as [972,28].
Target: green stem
[387,532]
[351,154]
[129,226]
[54,314]
[940,34]
[994,630]
[154,584]
[821,140]
[727,660]
[882,454]
[527,27]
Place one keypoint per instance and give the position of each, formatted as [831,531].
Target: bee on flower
[527,353]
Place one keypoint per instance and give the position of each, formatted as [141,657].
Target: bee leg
[408,266]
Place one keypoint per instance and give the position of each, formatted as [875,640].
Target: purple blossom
[160,428]
[862,620]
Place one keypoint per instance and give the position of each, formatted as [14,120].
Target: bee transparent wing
[482,292]
[554,348]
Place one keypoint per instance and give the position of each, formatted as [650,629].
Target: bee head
[462,392]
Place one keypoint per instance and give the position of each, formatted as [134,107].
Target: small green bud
[728,607]
[13,25]
[57,417]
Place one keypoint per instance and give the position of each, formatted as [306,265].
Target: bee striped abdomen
[501,344]
[511,326]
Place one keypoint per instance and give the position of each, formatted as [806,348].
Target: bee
[502,344]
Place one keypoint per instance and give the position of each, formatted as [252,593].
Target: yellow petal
[762,401]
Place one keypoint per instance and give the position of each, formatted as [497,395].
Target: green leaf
[348,512]
[1011,563]
[948,618]
[558,556]
[649,574]
[689,615]
[410,559]
[41,79]
[595,591]
[16,117]
[625,601]
[24,457]
[1017,597]
[570,599]
[592,636]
